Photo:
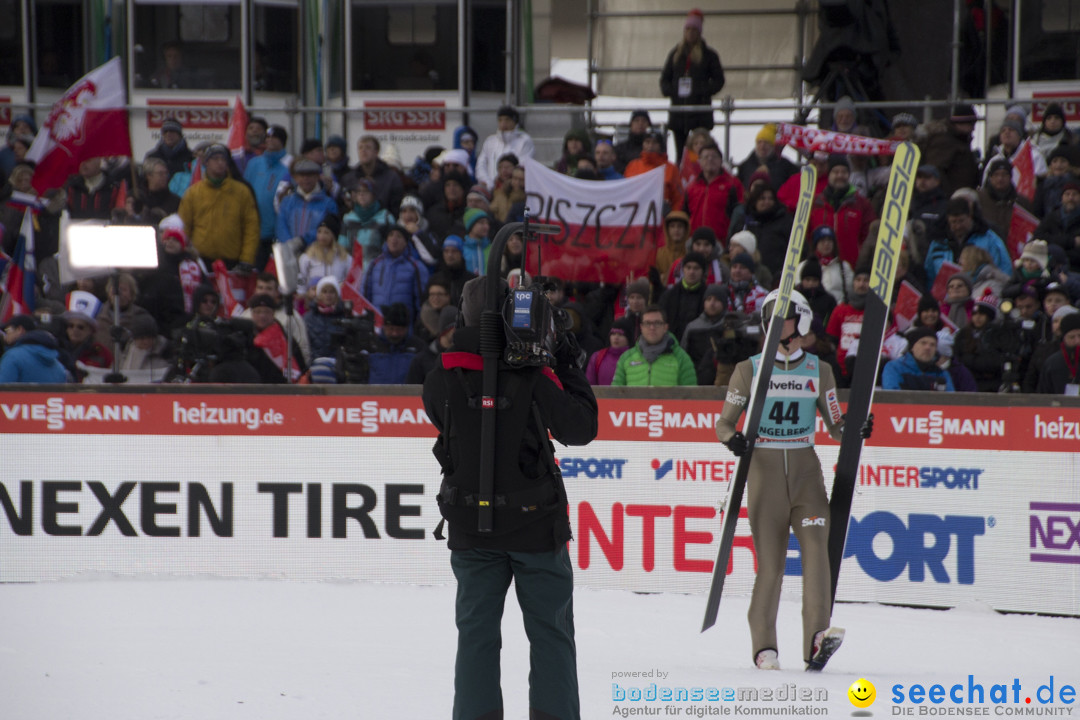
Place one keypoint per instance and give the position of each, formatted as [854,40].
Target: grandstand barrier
[962,498]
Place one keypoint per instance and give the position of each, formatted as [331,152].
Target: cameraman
[530,528]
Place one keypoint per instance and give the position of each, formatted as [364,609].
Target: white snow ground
[232,649]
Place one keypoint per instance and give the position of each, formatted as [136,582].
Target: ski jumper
[786,488]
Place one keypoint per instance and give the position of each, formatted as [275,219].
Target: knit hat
[928,302]
[767,133]
[397,314]
[304,166]
[696,258]
[704,233]
[838,160]
[261,300]
[215,150]
[862,269]
[811,268]
[411,201]
[1038,251]
[481,192]
[1054,109]
[387,229]
[328,280]
[761,174]
[988,302]
[623,326]
[26,322]
[453,241]
[1059,289]
[998,164]
[172,125]
[745,260]
[823,232]
[845,103]
[338,142]
[917,333]
[929,170]
[448,318]
[694,19]
[1014,124]
[364,183]
[904,119]
[143,326]
[309,145]
[963,277]
[279,132]
[640,113]
[1064,310]
[332,223]
[324,371]
[744,239]
[173,227]
[1069,322]
[457,156]
[963,113]
[1018,111]
[472,215]
[1071,185]
[716,290]
[678,216]
[638,287]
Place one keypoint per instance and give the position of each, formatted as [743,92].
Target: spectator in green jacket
[656,359]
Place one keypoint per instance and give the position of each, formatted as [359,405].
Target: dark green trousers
[544,582]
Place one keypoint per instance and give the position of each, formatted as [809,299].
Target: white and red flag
[275,344]
[350,289]
[1024,171]
[237,127]
[610,229]
[1021,231]
[21,274]
[88,121]
[838,143]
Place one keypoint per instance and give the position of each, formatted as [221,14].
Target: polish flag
[21,274]
[350,289]
[229,304]
[275,344]
[237,126]
[1024,165]
[88,121]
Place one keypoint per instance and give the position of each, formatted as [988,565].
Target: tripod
[843,78]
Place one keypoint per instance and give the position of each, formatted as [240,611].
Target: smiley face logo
[862,693]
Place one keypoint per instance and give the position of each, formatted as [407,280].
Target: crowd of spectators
[403,240]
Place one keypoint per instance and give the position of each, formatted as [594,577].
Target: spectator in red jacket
[714,194]
[844,209]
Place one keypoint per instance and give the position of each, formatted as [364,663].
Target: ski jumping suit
[786,488]
[531,527]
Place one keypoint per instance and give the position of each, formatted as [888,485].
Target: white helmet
[798,309]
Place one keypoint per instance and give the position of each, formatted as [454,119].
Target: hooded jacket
[34,358]
[496,145]
[265,173]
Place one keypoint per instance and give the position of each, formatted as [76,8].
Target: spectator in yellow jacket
[220,215]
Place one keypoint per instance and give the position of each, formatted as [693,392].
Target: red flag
[21,274]
[237,127]
[941,282]
[274,343]
[907,306]
[1024,165]
[88,121]
[350,289]
[1021,231]
[229,303]
[688,167]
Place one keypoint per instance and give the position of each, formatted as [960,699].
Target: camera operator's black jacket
[530,513]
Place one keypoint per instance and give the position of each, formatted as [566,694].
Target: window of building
[187,45]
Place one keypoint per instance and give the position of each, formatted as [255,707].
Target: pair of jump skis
[861,396]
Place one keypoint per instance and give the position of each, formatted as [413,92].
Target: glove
[867,428]
[737,444]
[568,352]
[295,244]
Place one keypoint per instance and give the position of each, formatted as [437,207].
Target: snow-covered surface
[102,649]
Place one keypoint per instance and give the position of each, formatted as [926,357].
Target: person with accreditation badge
[786,487]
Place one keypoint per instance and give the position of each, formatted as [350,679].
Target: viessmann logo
[656,419]
[936,426]
[371,416]
[55,412]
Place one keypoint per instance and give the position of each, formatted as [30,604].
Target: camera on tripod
[354,337]
[206,344]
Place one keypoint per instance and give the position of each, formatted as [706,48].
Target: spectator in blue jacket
[477,243]
[31,356]
[395,276]
[304,208]
[363,225]
[394,348]
[268,174]
[918,369]
[965,228]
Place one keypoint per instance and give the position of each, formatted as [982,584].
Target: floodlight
[287,268]
[97,245]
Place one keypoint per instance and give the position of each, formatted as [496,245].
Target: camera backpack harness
[756,404]
[875,320]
